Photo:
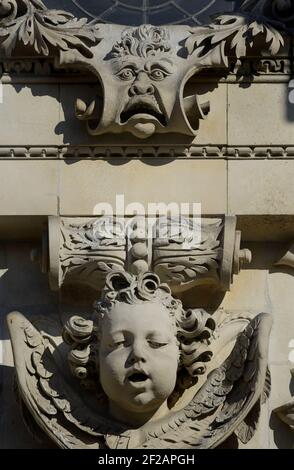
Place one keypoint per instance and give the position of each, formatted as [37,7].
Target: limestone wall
[241,163]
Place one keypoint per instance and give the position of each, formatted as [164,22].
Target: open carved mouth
[142,108]
[138,377]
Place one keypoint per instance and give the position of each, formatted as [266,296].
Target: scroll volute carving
[202,256]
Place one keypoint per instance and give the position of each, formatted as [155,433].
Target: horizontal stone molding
[255,69]
[136,152]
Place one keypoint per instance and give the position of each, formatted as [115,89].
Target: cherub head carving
[141,343]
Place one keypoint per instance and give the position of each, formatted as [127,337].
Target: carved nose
[137,354]
[140,87]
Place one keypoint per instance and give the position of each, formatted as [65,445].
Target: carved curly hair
[144,41]
[193,327]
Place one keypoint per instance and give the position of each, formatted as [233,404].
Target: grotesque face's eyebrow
[118,65]
[164,64]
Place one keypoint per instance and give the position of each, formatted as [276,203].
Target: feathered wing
[65,414]
[229,400]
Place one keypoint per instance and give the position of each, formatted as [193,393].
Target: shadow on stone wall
[282,436]
[14,434]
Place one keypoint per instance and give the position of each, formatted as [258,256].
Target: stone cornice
[139,152]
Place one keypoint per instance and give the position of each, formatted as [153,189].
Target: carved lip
[137,377]
[142,107]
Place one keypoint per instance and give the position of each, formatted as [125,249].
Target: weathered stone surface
[260,114]
[260,187]
[29,187]
[29,115]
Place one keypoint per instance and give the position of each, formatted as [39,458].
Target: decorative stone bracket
[82,251]
[142,71]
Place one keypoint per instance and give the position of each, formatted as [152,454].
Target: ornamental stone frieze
[141,72]
[185,254]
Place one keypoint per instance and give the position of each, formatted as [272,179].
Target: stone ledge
[241,152]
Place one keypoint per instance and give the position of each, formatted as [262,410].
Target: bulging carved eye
[126,74]
[157,74]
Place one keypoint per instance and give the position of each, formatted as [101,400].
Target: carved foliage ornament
[31,24]
[143,70]
[182,252]
[154,375]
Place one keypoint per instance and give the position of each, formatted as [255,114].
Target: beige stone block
[260,115]
[213,130]
[260,187]
[248,292]
[6,356]
[87,183]
[28,187]
[29,115]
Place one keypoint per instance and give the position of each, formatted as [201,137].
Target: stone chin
[142,116]
[142,126]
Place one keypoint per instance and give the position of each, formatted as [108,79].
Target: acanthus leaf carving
[91,249]
[186,254]
[234,36]
[186,257]
[30,23]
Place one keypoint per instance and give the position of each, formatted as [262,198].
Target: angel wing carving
[224,403]
[66,413]
[228,401]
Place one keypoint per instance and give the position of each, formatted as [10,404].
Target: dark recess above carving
[135,12]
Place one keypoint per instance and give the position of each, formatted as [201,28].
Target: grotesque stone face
[142,64]
[143,104]
[143,72]
[138,357]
